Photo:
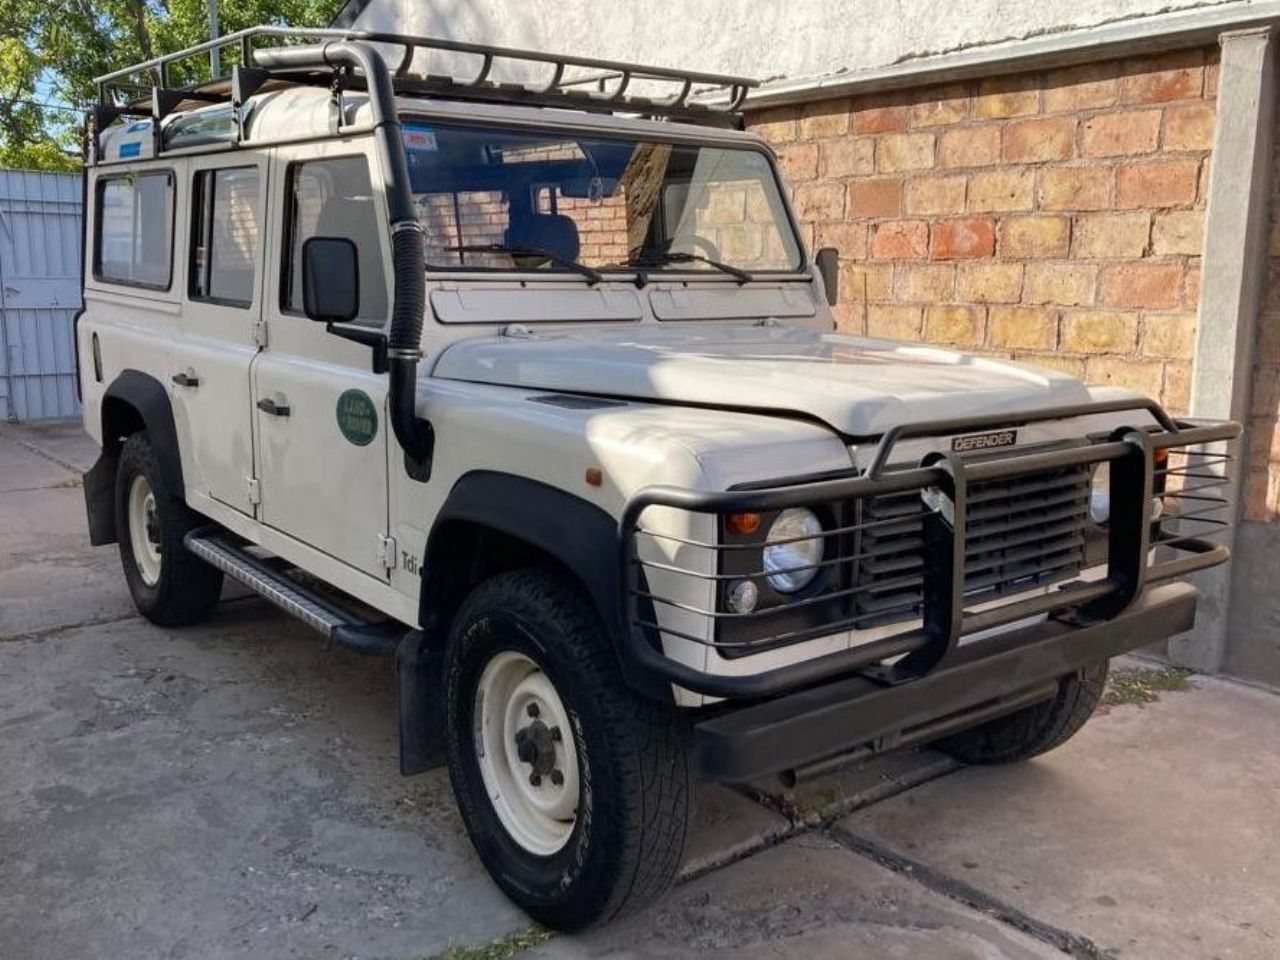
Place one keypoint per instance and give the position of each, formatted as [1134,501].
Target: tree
[52,49]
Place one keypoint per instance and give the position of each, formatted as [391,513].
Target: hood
[858,386]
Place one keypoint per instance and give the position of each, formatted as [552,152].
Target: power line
[43,106]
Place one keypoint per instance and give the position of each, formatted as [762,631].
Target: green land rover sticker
[357,417]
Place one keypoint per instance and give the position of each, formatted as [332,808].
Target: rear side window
[134,241]
[225,227]
[334,198]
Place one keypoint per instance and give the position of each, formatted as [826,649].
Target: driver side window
[334,198]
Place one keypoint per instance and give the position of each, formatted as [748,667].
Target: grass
[502,948]
[1138,686]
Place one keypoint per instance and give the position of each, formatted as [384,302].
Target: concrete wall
[766,40]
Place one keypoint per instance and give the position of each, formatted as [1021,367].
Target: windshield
[497,199]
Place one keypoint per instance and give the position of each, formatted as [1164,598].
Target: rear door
[319,408]
[218,332]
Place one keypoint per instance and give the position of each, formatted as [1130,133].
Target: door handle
[186,379]
[269,406]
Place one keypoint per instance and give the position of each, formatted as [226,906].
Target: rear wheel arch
[133,402]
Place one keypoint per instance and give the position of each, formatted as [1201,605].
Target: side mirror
[330,279]
[827,261]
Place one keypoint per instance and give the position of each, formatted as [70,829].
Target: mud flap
[420,703]
[100,499]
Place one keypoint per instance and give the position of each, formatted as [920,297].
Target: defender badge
[984,441]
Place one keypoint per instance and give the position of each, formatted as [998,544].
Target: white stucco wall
[766,39]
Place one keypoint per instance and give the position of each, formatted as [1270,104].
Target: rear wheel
[575,791]
[170,585]
[1035,729]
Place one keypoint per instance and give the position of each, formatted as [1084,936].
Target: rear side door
[320,410]
[218,333]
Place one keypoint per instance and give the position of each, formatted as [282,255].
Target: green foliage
[502,948]
[1140,685]
[51,50]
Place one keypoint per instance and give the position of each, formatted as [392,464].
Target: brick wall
[1054,217]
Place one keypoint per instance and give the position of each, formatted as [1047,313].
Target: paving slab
[63,441]
[24,468]
[807,897]
[1153,832]
[50,578]
[227,791]
[728,826]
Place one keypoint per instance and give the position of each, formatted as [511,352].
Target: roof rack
[582,83]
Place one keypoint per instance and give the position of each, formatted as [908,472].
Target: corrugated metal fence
[39,293]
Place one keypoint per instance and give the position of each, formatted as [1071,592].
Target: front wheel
[575,791]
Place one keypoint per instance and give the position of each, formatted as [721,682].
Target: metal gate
[39,293]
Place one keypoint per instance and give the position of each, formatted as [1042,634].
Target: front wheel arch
[493,522]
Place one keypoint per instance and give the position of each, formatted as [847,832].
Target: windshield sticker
[357,417]
[419,138]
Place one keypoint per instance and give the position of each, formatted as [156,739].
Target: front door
[320,410]
[221,270]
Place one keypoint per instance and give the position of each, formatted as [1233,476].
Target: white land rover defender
[532,387]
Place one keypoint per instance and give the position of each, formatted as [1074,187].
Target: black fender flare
[577,534]
[149,400]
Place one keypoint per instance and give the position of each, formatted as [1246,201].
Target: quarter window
[334,198]
[134,220]
[225,227]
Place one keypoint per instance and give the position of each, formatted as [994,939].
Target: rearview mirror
[330,279]
[827,261]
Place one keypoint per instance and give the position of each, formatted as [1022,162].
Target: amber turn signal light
[743,524]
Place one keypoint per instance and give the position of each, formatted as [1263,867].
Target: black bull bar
[1140,464]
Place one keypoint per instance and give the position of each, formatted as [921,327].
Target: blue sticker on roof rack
[131,149]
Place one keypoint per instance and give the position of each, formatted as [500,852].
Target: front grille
[1019,534]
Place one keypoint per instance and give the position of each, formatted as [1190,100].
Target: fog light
[742,596]
[1100,495]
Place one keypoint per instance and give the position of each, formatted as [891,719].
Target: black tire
[187,588]
[626,846]
[1035,729]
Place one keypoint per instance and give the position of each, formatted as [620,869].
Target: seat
[553,232]
[356,219]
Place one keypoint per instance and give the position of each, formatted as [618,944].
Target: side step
[346,629]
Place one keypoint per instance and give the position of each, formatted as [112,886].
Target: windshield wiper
[672,256]
[518,250]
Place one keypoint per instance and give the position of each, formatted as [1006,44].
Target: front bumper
[980,680]
[1140,551]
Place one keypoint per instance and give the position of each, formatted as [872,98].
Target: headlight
[785,550]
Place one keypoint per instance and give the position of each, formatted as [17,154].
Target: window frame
[197,194]
[288,225]
[667,272]
[99,188]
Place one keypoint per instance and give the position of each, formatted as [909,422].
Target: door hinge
[387,552]
[260,332]
[255,491]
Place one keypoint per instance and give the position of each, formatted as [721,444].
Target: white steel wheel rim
[536,800]
[144,530]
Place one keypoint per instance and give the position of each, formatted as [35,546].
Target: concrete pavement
[230,791]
